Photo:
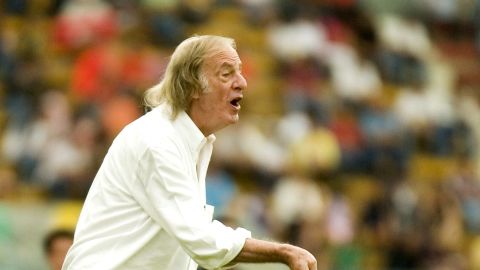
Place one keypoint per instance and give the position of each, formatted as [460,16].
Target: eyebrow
[230,65]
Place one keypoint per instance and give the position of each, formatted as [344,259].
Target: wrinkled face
[219,106]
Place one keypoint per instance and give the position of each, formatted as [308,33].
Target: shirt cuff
[240,235]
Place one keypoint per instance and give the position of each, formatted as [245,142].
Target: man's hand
[299,258]
[259,251]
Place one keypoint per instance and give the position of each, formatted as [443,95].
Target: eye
[226,73]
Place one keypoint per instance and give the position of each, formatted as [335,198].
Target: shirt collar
[188,131]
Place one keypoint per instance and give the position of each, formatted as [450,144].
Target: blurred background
[359,134]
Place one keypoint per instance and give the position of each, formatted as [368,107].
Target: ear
[196,95]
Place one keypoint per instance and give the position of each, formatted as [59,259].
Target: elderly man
[146,208]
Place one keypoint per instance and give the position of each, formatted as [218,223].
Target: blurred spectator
[404,205]
[21,73]
[85,152]
[55,245]
[164,22]
[309,37]
[385,154]
[468,108]
[24,145]
[117,112]
[404,45]
[195,11]
[259,12]
[244,147]
[292,127]
[84,22]
[220,187]
[339,227]
[375,222]
[15,7]
[404,34]
[465,185]
[355,99]
[346,127]
[354,77]
[297,200]
[97,73]
[249,208]
[55,7]
[142,64]
[340,233]
[304,79]
[411,110]
[54,152]
[8,182]
[102,72]
[317,153]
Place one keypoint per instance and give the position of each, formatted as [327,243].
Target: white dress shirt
[146,208]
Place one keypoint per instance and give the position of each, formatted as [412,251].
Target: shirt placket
[201,167]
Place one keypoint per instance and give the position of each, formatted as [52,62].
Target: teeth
[235,102]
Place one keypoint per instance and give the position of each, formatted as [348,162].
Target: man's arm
[259,251]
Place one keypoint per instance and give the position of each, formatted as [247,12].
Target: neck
[201,123]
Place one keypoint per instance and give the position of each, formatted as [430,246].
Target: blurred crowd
[359,136]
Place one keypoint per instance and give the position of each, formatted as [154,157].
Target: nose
[240,83]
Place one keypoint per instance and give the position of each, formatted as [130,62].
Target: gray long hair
[183,76]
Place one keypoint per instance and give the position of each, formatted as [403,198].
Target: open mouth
[236,102]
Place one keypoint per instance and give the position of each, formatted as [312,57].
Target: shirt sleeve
[172,199]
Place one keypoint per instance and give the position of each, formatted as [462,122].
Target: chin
[230,118]
[235,118]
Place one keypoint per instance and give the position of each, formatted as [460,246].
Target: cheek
[218,97]
[211,102]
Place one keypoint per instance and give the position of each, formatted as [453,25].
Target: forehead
[226,56]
